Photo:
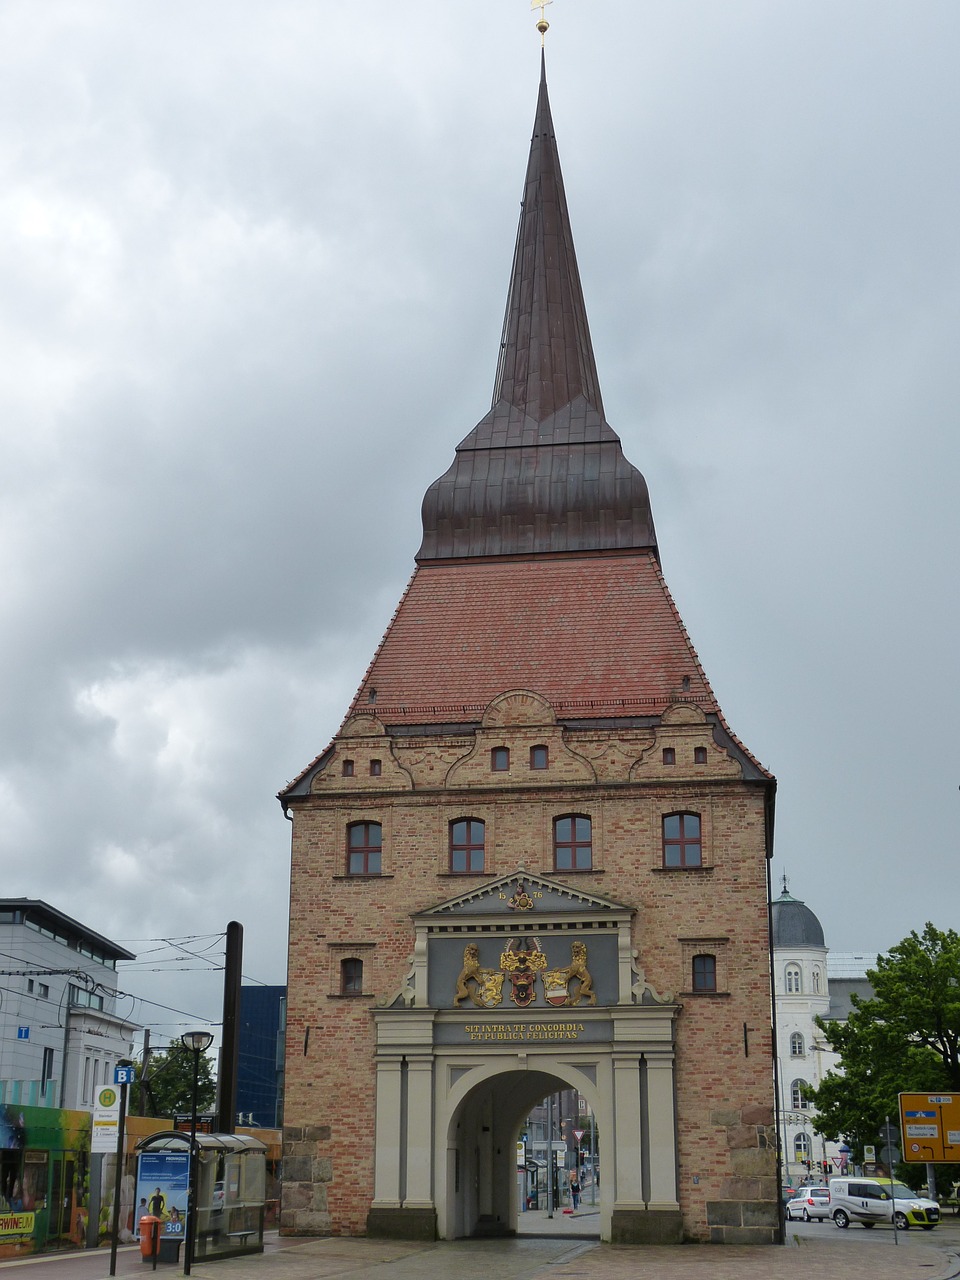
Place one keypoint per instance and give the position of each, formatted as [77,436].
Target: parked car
[873,1200]
[812,1204]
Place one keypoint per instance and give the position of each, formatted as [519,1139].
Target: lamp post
[197,1042]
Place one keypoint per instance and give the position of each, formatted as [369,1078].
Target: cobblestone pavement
[530,1257]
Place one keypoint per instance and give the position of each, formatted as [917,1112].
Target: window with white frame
[797,1048]
[793,980]
[797,1100]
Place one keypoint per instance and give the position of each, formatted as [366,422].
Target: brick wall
[723,1070]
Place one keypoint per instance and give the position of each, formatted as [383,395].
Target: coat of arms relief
[522,962]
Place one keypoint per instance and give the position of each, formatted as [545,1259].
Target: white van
[873,1200]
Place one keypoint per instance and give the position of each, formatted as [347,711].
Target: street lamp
[197,1042]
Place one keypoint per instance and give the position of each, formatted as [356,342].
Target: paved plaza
[564,1255]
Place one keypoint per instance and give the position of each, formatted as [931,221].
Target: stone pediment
[524,896]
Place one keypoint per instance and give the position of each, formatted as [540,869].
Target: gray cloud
[254,265]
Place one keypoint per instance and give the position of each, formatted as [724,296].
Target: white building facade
[809,982]
[61,1033]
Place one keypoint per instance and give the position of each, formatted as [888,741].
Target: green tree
[170,1079]
[904,1039]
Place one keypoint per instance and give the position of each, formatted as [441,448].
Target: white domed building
[807,985]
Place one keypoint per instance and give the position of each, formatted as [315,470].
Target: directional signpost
[931,1127]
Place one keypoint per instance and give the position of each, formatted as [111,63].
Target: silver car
[812,1204]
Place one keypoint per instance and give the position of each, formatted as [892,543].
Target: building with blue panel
[260,1073]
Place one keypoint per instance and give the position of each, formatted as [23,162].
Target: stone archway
[476,1159]
[469,1046]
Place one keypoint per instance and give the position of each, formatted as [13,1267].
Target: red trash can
[149,1236]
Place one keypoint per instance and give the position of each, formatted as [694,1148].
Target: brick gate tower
[534,857]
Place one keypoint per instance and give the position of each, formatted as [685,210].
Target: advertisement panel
[163,1181]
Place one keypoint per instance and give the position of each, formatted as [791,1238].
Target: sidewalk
[527,1257]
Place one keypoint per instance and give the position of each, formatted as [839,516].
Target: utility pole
[230,1044]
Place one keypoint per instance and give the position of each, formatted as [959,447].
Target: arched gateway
[535,747]
[517,989]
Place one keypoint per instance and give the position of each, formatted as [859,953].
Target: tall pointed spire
[546,357]
[543,471]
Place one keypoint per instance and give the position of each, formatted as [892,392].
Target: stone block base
[743,1235]
[646,1226]
[402,1224]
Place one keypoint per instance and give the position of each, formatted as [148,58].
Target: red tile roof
[597,636]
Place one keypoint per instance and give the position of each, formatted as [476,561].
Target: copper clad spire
[543,471]
[546,354]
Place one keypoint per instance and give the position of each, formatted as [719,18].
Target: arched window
[794,983]
[364,844]
[704,973]
[801,1146]
[351,977]
[572,843]
[797,1100]
[466,846]
[797,1049]
[681,840]
[816,980]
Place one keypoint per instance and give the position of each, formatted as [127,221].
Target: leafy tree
[904,1039]
[170,1083]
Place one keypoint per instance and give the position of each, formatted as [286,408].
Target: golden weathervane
[543,26]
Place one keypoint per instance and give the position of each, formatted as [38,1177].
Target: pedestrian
[574,1189]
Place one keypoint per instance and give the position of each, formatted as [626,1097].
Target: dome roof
[794,924]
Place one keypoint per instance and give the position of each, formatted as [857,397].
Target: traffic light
[826,1168]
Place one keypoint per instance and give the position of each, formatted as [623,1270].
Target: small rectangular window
[499,759]
[681,840]
[669,755]
[704,973]
[699,755]
[573,843]
[347,769]
[351,977]
[364,845]
[466,846]
[538,757]
[376,768]
[29,986]
[46,1071]
[44,991]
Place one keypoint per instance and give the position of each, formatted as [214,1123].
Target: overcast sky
[253,264]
